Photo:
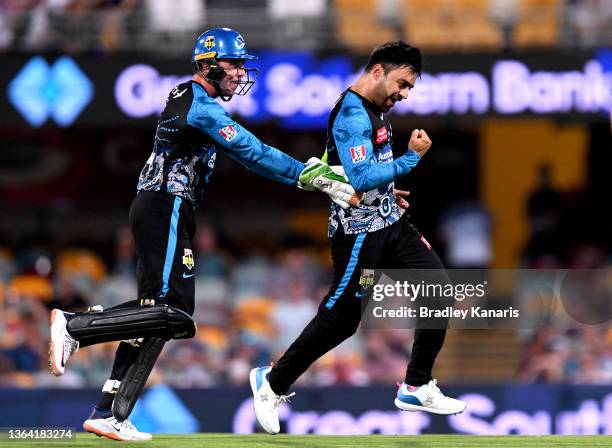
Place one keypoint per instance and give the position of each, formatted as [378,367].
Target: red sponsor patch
[358,153]
[228,133]
[382,135]
[425,242]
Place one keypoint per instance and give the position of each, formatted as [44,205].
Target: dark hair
[392,55]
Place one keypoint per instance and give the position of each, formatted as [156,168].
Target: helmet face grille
[245,85]
[216,74]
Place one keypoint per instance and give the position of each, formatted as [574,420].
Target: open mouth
[390,102]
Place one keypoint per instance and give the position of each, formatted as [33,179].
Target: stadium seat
[81,262]
[428,24]
[538,24]
[443,25]
[254,315]
[358,26]
[29,285]
[465,359]
[474,27]
[214,337]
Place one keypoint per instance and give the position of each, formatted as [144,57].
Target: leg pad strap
[136,377]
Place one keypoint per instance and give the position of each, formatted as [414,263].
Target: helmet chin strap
[217,86]
[214,76]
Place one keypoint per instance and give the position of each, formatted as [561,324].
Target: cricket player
[375,234]
[191,128]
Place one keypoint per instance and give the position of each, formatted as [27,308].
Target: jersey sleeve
[241,145]
[352,131]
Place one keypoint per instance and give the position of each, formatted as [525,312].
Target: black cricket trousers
[399,246]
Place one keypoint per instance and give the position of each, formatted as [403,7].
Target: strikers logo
[367,278]
[382,135]
[240,42]
[228,133]
[209,42]
[358,153]
[188,259]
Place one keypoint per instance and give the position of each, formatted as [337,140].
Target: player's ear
[196,68]
[201,67]
[378,71]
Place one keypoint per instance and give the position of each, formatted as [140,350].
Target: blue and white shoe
[427,398]
[266,402]
[102,423]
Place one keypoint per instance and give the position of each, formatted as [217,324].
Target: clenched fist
[419,142]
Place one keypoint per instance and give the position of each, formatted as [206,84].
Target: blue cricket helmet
[220,43]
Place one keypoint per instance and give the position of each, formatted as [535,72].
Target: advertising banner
[491,410]
[297,89]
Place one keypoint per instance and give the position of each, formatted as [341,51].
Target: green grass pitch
[312,441]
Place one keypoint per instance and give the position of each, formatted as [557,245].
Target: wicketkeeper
[191,128]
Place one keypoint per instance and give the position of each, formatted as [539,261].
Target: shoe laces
[128,425]
[280,399]
[71,345]
[433,384]
[124,425]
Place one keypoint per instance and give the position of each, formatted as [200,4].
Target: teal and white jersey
[190,130]
[359,137]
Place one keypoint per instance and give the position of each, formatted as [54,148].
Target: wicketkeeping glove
[318,175]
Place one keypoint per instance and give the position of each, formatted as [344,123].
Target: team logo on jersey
[367,278]
[382,135]
[188,259]
[358,153]
[228,133]
[425,242]
[209,42]
[385,208]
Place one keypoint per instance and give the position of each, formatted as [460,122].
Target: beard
[390,102]
[228,88]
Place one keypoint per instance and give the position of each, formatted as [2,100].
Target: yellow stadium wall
[510,153]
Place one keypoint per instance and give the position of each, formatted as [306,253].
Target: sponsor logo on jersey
[228,133]
[382,135]
[188,259]
[358,153]
[386,155]
[209,42]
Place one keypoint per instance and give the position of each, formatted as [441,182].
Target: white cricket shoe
[62,345]
[428,398]
[103,424]
[266,402]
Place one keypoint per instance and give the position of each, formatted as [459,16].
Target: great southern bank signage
[296,90]
[299,91]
